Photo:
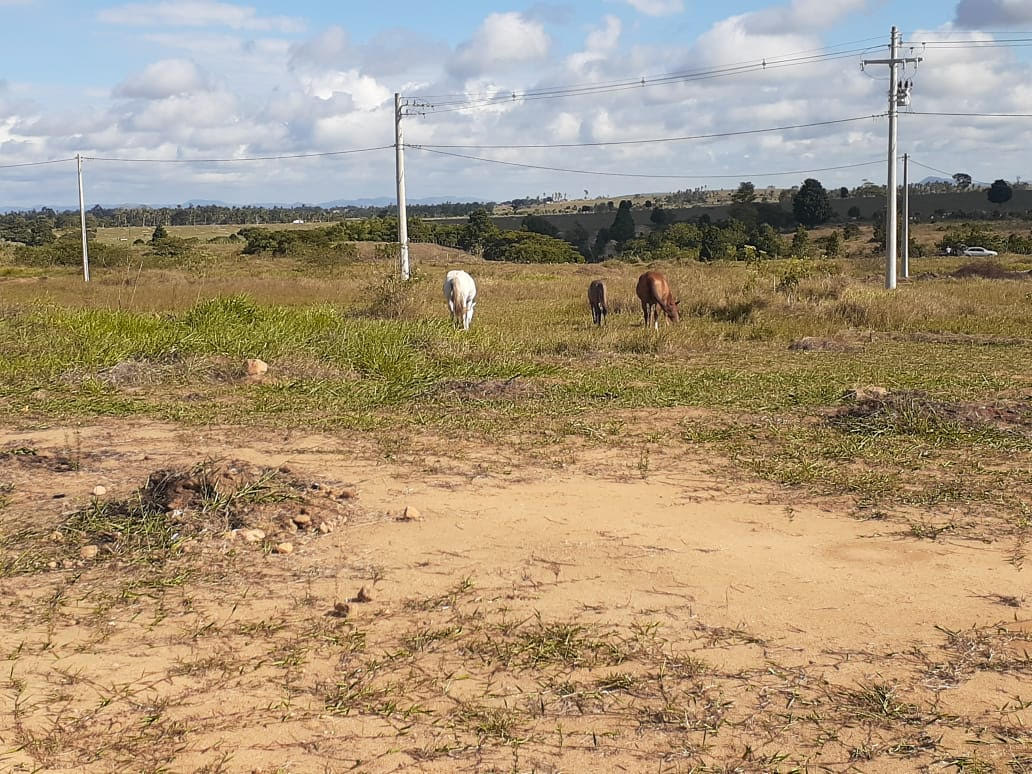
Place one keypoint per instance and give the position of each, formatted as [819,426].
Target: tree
[800,243]
[477,232]
[528,247]
[843,193]
[810,205]
[768,240]
[539,225]
[853,212]
[660,216]
[745,194]
[850,231]
[962,180]
[832,244]
[999,192]
[159,234]
[623,224]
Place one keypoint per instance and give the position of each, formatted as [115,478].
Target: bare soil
[595,613]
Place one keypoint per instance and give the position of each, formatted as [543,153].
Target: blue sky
[200,79]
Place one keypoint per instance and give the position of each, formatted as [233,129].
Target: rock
[362,596]
[340,610]
[89,552]
[251,535]
[56,536]
[347,494]
[52,565]
[256,369]
[325,528]
[303,520]
[284,548]
[410,514]
[99,491]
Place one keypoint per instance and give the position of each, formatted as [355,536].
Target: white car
[979,252]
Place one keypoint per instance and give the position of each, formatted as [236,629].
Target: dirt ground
[602,614]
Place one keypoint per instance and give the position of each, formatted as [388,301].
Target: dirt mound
[178,510]
[912,412]
[488,389]
[818,344]
[988,270]
[24,455]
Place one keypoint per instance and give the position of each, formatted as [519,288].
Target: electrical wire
[465,96]
[36,163]
[449,106]
[739,175]
[655,140]
[965,115]
[239,158]
[933,169]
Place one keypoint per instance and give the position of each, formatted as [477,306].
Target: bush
[67,251]
[528,247]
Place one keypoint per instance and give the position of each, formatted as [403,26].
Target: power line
[739,175]
[968,115]
[36,163]
[655,140]
[464,96]
[933,169]
[239,158]
[449,106]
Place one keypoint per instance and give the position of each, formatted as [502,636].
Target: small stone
[256,369]
[303,520]
[56,536]
[252,535]
[410,514]
[99,491]
[89,552]
[341,610]
[284,548]
[52,565]
[325,528]
[362,596]
[347,494]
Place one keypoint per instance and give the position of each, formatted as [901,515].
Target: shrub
[528,247]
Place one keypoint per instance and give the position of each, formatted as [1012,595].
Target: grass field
[751,391]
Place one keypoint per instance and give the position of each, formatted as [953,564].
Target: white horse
[461,293]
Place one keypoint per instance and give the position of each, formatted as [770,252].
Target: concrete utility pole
[895,97]
[906,216]
[399,160]
[82,222]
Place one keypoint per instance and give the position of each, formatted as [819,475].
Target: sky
[153,94]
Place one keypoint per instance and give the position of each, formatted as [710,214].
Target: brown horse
[654,291]
[597,301]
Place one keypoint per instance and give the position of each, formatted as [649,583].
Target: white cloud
[600,43]
[990,14]
[163,79]
[657,7]
[198,13]
[503,39]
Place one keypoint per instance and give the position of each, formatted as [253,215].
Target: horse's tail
[458,298]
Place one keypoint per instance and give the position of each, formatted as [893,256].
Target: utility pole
[399,161]
[897,95]
[906,216]
[82,222]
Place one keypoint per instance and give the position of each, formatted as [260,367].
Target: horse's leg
[645,312]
